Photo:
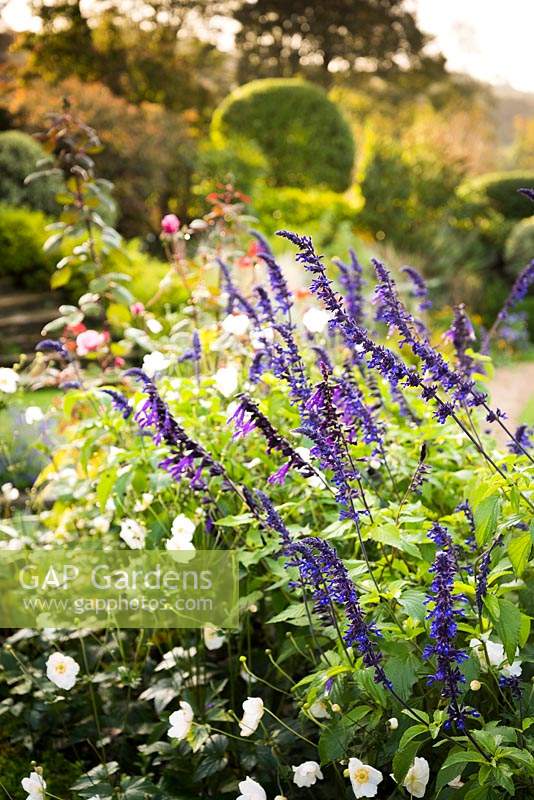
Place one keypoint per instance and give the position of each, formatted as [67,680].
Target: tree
[142,56]
[288,37]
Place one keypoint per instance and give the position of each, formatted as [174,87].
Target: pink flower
[137,308]
[170,224]
[89,341]
[119,362]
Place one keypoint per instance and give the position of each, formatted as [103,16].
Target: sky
[489,39]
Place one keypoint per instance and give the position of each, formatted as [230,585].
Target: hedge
[19,154]
[500,191]
[302,134]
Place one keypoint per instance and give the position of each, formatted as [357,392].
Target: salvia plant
[384,543]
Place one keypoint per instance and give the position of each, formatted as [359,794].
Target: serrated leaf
[486,515]
[508,627]
[519,551]
[294,613]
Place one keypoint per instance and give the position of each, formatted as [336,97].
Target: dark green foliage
[22,235]
[60,771]
[19,154]
[299,130]
[500,191]
[405,193]
[270,42]
[519,249]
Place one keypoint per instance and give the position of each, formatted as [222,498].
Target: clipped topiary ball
[519,249]
[500,190]
[302,134]
[19,154]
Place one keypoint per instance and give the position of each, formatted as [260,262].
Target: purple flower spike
[444,615]
[420,289]
[120,402]
[53,346]
[522,440]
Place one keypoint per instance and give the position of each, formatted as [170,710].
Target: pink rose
[170,224]
[89,341]
[137,309]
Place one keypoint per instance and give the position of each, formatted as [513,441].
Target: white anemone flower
[236,324]
[306,774]
[253,711]
[417,777]
[10,492]
[364,779]
[486,650]
[226,380]
[251,790]
[33,414]
[182,531]
[212,638]
[181,722]
[319,710]
[183,526]
[62,670]
[133,533]
[155,362]
[35,785]
[8,380]
[315,320]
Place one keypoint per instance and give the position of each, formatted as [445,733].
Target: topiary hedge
[19,154]
[500,191]
[303,135]
[519,248]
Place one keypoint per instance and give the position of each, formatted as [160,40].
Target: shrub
[19,154]
[300,131]
[519,247]
[405,193]
[239,162]
[499,190]
[147,152]
[22,235]
[313,209]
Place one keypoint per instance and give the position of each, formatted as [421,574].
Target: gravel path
[511,389]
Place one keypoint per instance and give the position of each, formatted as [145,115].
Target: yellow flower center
[60,668]
[361,775]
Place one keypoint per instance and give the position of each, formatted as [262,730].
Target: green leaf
[295,613]
[413,604]
[411,733]
[334,741]
[403,759]
[464,757]
[118,315]
[486,515]
[104,487]
[519,551]
[402,672]
[235,520]
[60,278]
[508,627]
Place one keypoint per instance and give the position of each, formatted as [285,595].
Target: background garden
[265,273]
